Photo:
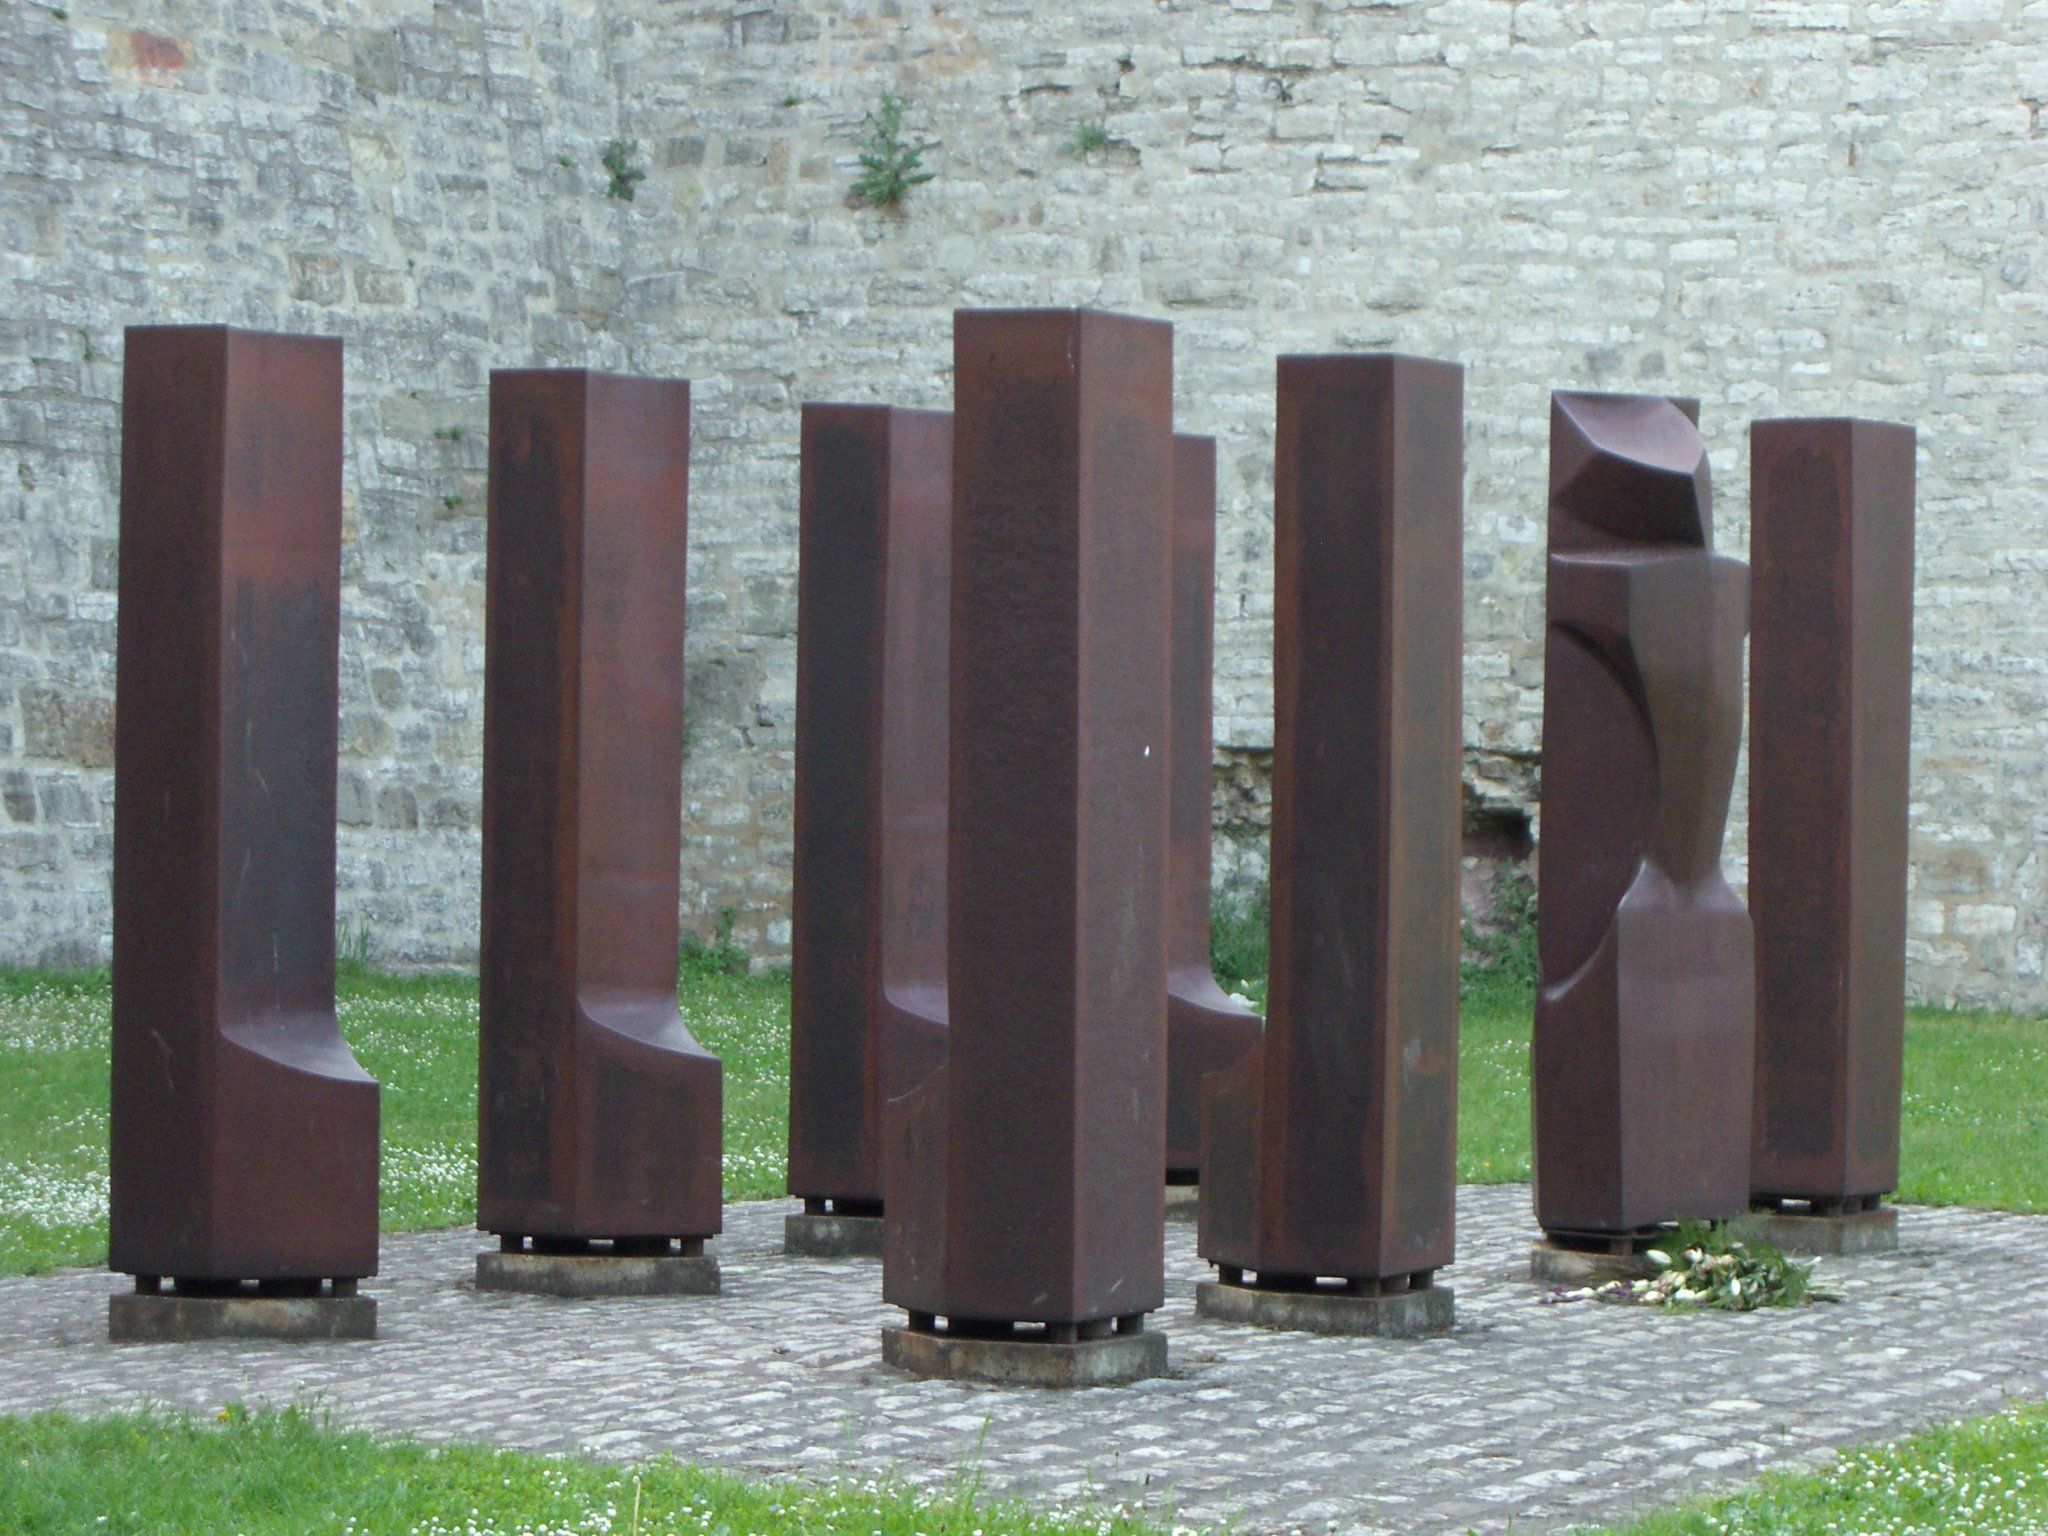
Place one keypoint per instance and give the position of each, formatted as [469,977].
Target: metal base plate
[1120,1358]
[1852,1232]
[133,1318]
[828,1235]
[598,1274]
[1407,1315]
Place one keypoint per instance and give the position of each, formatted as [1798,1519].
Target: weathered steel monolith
[868,936]
[598,1115]
[1329,1169]
[1024,1203]
[1831,663]
[1206,1030]
[244,1136]
[1645,1011]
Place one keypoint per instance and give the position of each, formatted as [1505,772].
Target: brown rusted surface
[1331,1150]
[1023,1176]
[1645,1007]
[155,51]
[1205,1030]
[868,936]
[1831,663]
[244,1136]
[598,1115]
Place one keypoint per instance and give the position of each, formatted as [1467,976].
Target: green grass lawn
[284,1474]
[415,1035]
[1982,1477]
[1976,1116]
[1975,1126]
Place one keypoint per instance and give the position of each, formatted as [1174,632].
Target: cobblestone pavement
[1539,1415]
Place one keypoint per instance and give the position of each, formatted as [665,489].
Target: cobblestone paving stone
[1540,1415]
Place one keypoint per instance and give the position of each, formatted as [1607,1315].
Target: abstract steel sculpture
[1024,1203]
[244,1136]
[1330,1151]
[868,937]
[1206,1030]
[1645,1010]
[1831,546]
[598,1115]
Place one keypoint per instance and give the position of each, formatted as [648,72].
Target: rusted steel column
[1831,543]
[1331,1150]
[1023,1176]
[868,944]
[1205,1030]
[1645,1013]
[244,1136]
[598,1113]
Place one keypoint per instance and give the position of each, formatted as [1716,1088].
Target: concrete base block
[1852,1232]
[1407,1315]
[831,1236]
[598,1274]
[165,1318]
[1120,1358]
[1573,1268]
[1183,1202]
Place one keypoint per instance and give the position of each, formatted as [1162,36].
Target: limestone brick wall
[1784,208]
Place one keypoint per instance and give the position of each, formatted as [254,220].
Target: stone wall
[1793,208]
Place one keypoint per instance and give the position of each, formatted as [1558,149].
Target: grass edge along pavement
[1975,1477]
[289,1473]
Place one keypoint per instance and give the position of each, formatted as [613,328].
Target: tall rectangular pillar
[1205,1030]
[1831,662]
[868,939]
[1645,1009]
[1024,1203]
[244,1136]
[1331,1150]
[598,1114]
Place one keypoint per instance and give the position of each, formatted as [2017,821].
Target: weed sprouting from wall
[625,173]
[889,164]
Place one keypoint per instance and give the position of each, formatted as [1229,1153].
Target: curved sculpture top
[598,1114]
[1645,1010]
[868,920]
[244,1135]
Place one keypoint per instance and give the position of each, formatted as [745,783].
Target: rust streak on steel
[868,944]
[1023,1176]
[599,1115]
[244,1136]
[1831,547]
[1645,1011]
[1331,1150]
[1206,1031]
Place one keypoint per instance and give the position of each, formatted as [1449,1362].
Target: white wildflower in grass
[41,1194]
[55,1016]
[439,1175]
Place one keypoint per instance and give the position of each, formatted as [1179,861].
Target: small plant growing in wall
[618,160]
[889,165]
[1088,138]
